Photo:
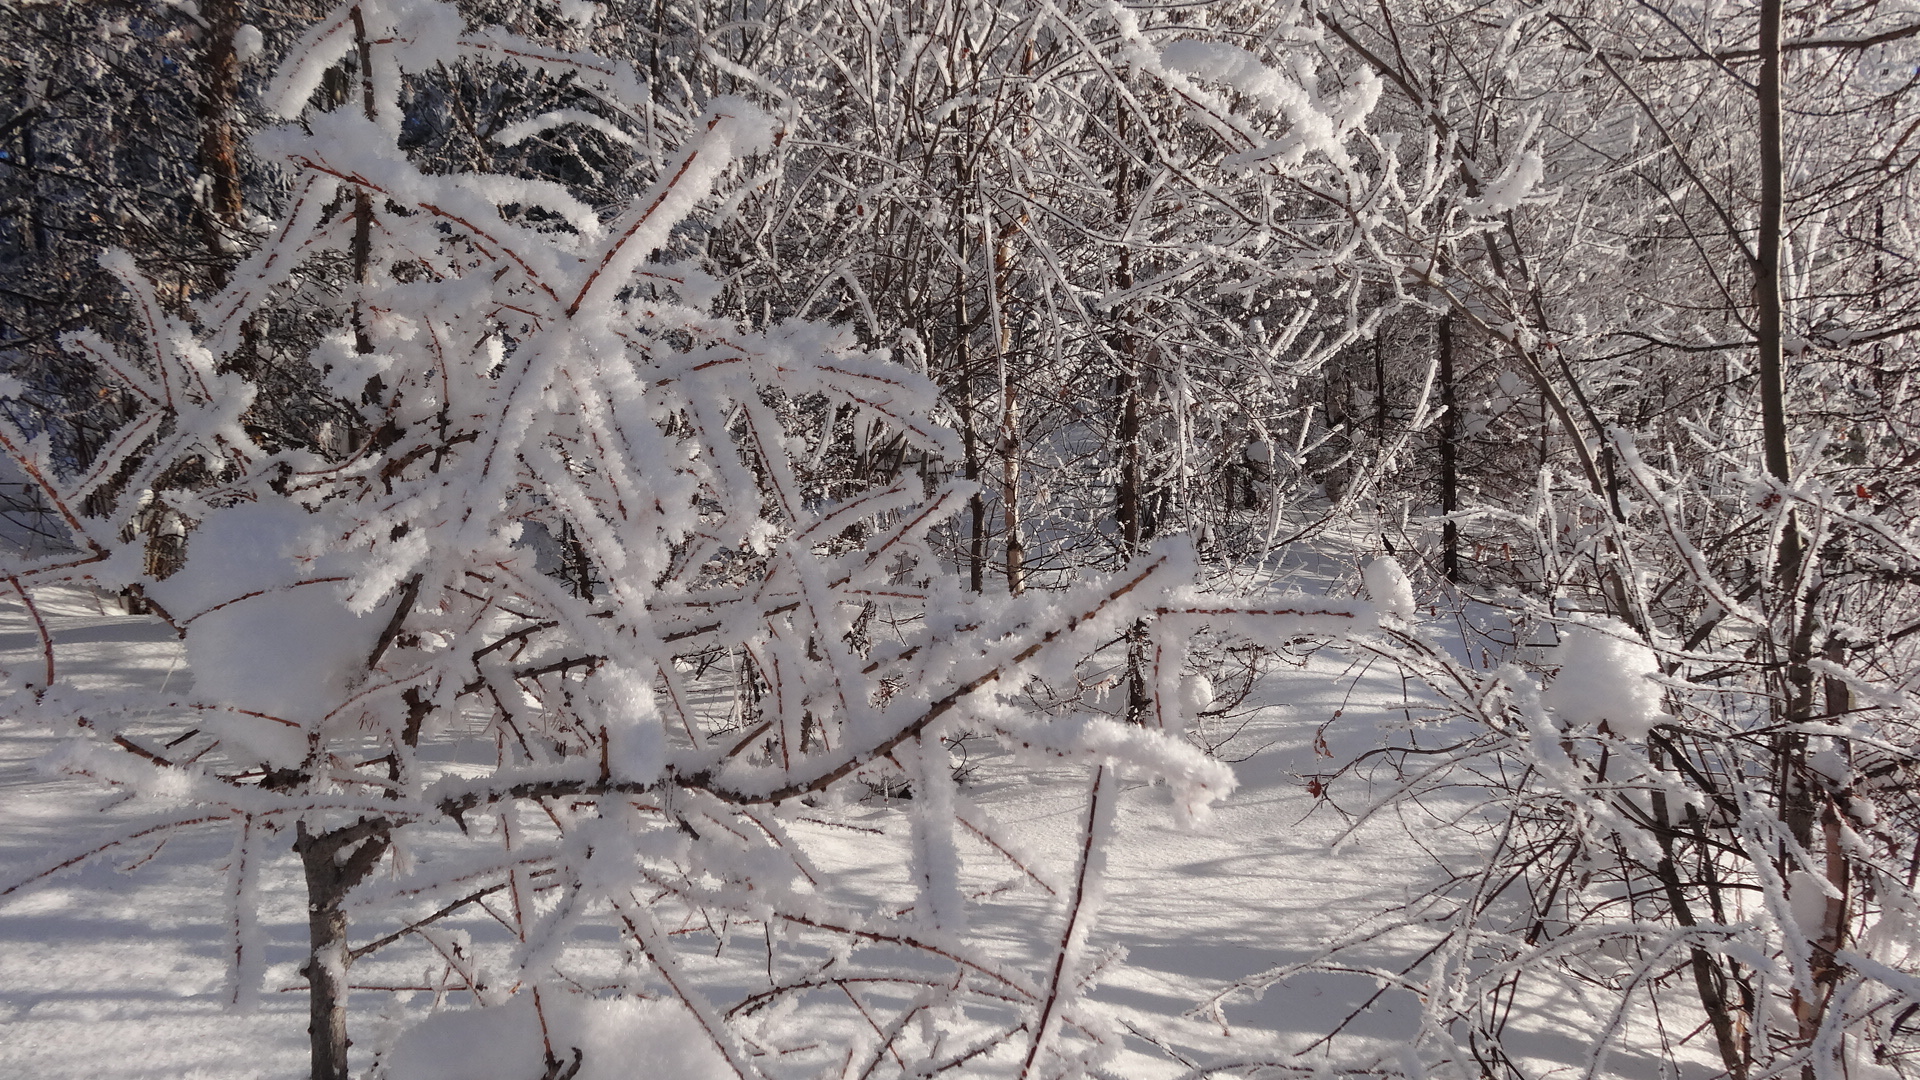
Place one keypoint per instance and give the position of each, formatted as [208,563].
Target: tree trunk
[218,151]
[1130,510]
[1766,270]
[1379,387]
[329,876]
[1773,388]
[362,247]
[963,404]
[1449,453]
[1129,501]
[1801,803]
[1710,982]
[329,879]
[999,258]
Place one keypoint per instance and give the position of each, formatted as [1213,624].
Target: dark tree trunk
[963,403]
[332,870]
[219,158]
[1130,509]
[1379,387]
[1000,258]
[362,245]
[1449,453]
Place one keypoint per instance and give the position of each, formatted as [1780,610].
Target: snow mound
[248,43]
[617,1040]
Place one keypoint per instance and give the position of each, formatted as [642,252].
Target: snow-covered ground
[121,966]
[117,968]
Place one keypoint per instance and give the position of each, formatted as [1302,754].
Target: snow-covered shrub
[535,378]
[1640,857]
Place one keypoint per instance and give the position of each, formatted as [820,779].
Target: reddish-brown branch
[39,626]
[109,846]
[1076,911]
[646,215]
[259,592]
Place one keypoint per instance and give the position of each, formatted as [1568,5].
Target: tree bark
[1449,453]
[329,878]
[1709,980]
[1766,269]
[963,404]
[1773,387]
[331,871]
[361,249]
[1380,387]
[1130,509]
[219,159]
[999,259]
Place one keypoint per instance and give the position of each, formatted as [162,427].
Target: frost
[1829,762]
[1807,898]
[271,634]
[580,12]
[623,703]
[578,494]
[606,609]
[527,129]
[1317,123]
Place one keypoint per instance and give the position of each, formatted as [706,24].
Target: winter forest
[1042,539]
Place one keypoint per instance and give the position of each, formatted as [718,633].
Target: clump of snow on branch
[269,636]
[1606,677]
[1389,587]
[1516,184]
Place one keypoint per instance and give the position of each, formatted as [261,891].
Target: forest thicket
[725,403]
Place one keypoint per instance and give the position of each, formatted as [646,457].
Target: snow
[1515,185]
[271,633]
[1389,587]
[126,975]
[112,973]
[623,701]
[626,811]
[1606,677]
[527,129]
[145,956]
[580,12]
[248,43]
[1318,123]
[617,1039]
